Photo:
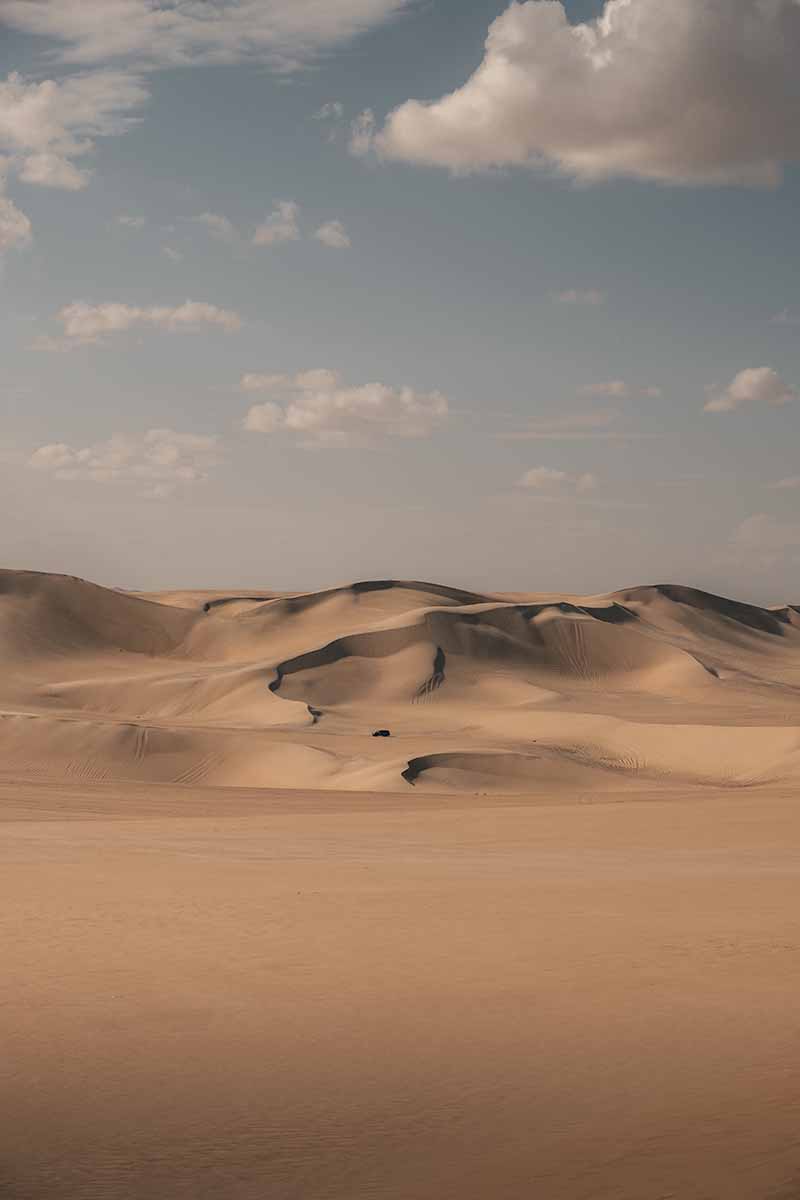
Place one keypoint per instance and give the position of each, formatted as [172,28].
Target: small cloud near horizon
[755,385]
[548,479]
[334,235]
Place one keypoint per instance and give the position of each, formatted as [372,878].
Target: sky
[298,292]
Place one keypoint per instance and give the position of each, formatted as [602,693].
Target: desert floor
[334,997]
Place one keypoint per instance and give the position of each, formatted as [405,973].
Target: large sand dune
[507,694]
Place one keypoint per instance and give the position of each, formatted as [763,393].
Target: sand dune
[491,693]
[56,616]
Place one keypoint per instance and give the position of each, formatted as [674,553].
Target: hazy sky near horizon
[299,292]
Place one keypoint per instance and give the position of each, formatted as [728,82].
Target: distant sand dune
[255,688]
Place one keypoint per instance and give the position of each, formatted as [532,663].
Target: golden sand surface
[541,942]
[338,997]
[528,695]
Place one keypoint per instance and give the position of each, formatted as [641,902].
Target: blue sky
[570,363]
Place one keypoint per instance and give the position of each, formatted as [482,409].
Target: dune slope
[477,692]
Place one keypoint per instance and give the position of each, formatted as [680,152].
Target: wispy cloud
[573,427]
[320,411]
[88,324]
[217,225]
[615,388]
[548,479]
[362,134]
[332,111]
[334,235]
[45,125]
[15,227]
[283,33]
[331,118]
[160,460]
[618,389]
[280,226]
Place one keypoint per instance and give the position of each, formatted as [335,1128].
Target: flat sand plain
[544,941]
[333,997]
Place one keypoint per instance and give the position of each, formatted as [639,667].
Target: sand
[541,942]
[523,695]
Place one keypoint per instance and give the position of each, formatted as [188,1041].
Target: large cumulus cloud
[677,91]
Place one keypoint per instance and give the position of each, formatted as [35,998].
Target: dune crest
[494,693]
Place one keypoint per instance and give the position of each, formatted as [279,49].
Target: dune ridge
[491,693]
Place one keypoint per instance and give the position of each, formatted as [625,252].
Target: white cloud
[320,411]
[263,383]
[333,234]
[51,170]
[218,226]
[265,418]
[615,387]
[679,92]
[756,385]
[332,111]
[285,33]
[86,324]
[53,456]
[542,477]
[587,296]
[362,134]
[618,389]
[161,460]
[15,227]
[320,379]
[280,226]
[45,125]
[546,479]
[331,117]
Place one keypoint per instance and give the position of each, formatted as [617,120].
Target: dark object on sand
[382,733]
